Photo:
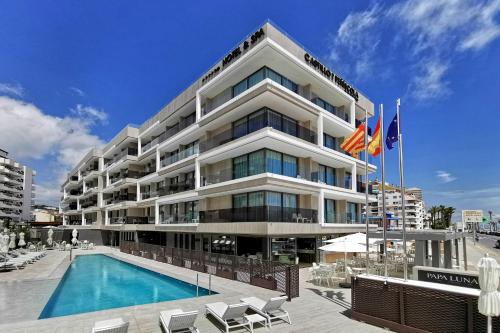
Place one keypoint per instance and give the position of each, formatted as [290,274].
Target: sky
[74,73]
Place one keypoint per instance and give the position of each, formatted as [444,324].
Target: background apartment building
[414,205]
[247,160]
[16,190]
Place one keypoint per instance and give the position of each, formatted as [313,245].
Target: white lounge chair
[231,316]
[271,309]
[116,325]
[177,319]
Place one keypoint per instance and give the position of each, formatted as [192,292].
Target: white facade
[254,140]
[415,211]
[16,190]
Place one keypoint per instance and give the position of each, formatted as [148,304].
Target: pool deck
[24,293]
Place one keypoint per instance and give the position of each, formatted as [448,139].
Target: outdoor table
[256,318]
[359,270]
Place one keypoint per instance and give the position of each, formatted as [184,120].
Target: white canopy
[21,242]
[358,237]
[347,247]
[4,243]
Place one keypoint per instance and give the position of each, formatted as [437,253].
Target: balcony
[361,187]
[260,214]
[258,123]
[87,204]
[169,190]
[192,217]
[120,155]
[169,132]
[131,220]
[179,156]
[127,174]
[120,198]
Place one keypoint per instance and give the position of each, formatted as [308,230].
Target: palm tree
[433,211]
[448,213]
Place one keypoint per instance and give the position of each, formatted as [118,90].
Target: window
[256,121]
[289,126]
[290,168]
[256,163]
[240,128]
[348,180]
[260,75]
[273,199]
[327,175]
[240,167]
[240,200]
[352,213]
[329,142]
[265,160]
[289,200]
[256,199]
[329,211]
[273,162]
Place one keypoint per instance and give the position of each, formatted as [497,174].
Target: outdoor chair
[271,309]
[231,316]
[177,319]
[116,325]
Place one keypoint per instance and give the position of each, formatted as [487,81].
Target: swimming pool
[98,282]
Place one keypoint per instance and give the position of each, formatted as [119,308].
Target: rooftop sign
[326,72]
[234,54]
[472,216]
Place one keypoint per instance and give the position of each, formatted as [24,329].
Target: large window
[327,175]
[331,142]
[330,108]
[352,213]
[265,160]
[260,75]
[265,198]
[330,211]
[348,180]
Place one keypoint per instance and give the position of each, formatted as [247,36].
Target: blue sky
[73,73]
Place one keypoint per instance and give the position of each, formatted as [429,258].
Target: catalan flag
[356,141]
[375,145]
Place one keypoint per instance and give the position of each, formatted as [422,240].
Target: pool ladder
[198,284]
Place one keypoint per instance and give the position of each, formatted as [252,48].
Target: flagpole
[401,180]
[366,193]
[384,216]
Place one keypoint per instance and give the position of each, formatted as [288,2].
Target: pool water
[99,282]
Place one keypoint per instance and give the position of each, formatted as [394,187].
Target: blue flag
[392,133]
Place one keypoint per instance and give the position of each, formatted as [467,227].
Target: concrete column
[352,112]
[354,173]
[436,253]
[319,126]
[138,196]
[64,220]
[321,207]
[139,146]
[107,178]
[197,175]
[420,252]
[83,219]
[447,254]
[457,253]
[198,106]
[157,213]
[106,217]
[158,166]
[464,243]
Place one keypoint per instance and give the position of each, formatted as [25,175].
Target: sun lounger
[231,316]
[116,325]
[271,309]
[178,320]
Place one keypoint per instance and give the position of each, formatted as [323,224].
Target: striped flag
[374,147]
[356,141]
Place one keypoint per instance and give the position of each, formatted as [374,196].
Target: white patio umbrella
[346,247]
[489,298]
[21,242]
[74,233]
[4,243]
[12,244]
[49,238]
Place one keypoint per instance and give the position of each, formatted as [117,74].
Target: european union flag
[392,133]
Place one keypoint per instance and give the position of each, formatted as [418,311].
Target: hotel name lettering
[454,279]
[234,54]
[331,76]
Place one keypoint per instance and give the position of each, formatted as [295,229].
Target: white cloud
[445,177]
[29,133]
[77,91]
[90,114]
[11,89]
[427,35]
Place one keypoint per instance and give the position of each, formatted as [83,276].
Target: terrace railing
[260,214]
[266,274]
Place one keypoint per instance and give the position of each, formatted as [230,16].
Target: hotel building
[414,205]
[16,190]
[246,160]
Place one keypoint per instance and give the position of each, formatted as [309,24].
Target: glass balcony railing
[169,189]
[260,214]
[256,124]
[130,220]
[120,198]
[179,156]
[122,175]
[120,155]
[169,132]
[192,217]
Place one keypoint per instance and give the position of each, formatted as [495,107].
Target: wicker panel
[376,299]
